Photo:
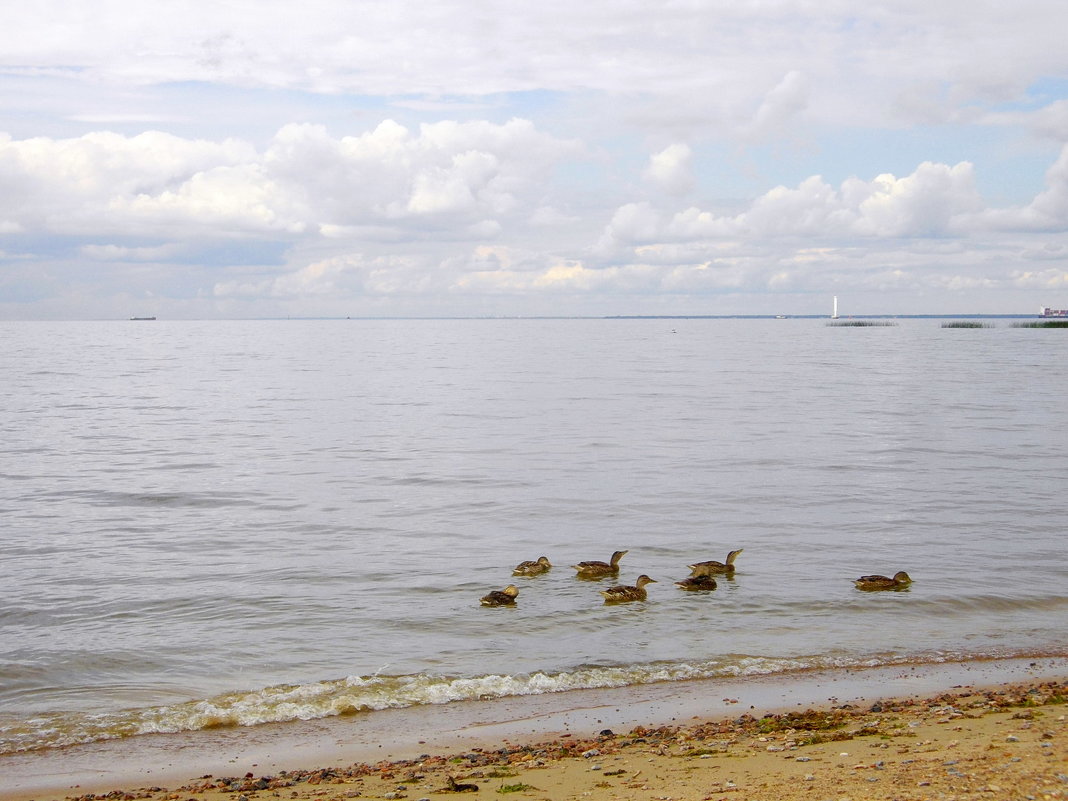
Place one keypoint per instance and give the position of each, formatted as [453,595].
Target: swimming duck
[695,583]
[594,568]
[617,595]
[899,581]
[533,568]
[711,567]
[505,597]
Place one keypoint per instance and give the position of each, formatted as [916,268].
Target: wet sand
[992,729]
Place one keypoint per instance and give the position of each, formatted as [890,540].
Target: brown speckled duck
[899,581]
[617,595]
[697,583]
[454,786]
[505,597]
[533,567]
[595,569]
[712,567]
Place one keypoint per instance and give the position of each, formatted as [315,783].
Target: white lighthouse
[834,310]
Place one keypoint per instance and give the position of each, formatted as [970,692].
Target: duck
[533,567]
[712,567]
[899,581]
[458,787]
[597,569]
[618,595]
[505,597]
[696,583]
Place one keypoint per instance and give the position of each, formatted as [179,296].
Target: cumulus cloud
[935,200]
[431,160]
[70,185]
[463,176]
[671,169]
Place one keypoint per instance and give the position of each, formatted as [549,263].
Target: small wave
[367,694]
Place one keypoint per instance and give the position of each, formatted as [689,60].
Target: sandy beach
[980,739]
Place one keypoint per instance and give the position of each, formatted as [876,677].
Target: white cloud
[111,253]
[718,54]
[469,174]
[935,200]
[518,132]
[788,99]
[672,169]
[77,185]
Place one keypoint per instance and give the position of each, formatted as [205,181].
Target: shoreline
[335,745]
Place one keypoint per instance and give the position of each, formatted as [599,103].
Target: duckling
[505,597]
[595,569]
[696,583]
[533,568]
[457,787]
[712,567]
[617,595]
[899,581]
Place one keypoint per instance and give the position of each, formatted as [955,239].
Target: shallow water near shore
[408,733]
[234,523]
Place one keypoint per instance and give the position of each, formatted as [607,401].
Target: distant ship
[1048,312]
[142,318]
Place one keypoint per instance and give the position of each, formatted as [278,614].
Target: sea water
[231,523]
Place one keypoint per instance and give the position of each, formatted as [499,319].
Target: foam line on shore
[409,732]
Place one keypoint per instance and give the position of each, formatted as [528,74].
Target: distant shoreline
[882,316]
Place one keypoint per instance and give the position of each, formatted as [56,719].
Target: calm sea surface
[211,523]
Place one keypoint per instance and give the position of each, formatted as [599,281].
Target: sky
[262,159]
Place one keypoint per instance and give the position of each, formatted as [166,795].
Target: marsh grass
[862,323]
[1043,324]
[966,324]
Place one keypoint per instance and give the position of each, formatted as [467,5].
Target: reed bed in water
[966,324]
[1042,324]
[862,323]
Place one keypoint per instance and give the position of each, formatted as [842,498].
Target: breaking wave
[367,694]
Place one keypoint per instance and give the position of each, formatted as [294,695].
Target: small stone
[1012,738]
